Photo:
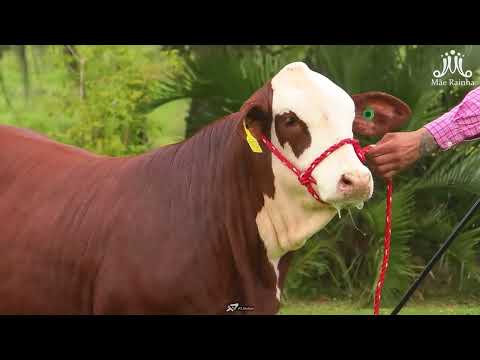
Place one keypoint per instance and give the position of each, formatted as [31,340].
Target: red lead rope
[386,248]
[305,178]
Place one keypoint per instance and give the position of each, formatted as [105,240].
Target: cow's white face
[311,113]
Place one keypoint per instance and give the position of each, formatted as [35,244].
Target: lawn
[347,308]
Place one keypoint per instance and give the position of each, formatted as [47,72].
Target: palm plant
[219,82]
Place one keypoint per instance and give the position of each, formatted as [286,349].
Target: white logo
[232,307]
[237,307]
[456,66]
[452,62]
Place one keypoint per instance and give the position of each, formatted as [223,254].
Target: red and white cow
[187,228]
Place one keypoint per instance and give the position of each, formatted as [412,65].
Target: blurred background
[121,100]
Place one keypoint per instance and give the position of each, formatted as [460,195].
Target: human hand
[397,151]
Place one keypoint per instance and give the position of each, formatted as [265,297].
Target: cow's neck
[283,220]
[242,191]
[286,221]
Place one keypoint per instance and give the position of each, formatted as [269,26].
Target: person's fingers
[389,175]
[380,149]
[385,159]
[385,169]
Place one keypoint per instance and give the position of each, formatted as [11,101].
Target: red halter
[305,178]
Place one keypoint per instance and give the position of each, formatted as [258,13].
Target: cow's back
[48,252]
[164,232]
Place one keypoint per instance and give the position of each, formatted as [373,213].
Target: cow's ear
[257,121]
[257,111]
[377,113]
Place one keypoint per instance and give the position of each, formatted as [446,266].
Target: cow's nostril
[354,184]
[346,181]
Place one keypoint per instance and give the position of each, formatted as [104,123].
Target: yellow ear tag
[254,145]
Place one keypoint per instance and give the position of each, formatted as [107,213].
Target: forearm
[459,124]
[428,144]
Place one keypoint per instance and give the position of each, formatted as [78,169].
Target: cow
[204,226]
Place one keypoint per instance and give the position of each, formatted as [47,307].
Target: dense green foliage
[100,110]
[129,105]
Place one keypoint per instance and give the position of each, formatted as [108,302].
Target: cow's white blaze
[292,216]
[328,112]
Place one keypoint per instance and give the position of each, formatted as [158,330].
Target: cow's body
[171,231]
[185,229]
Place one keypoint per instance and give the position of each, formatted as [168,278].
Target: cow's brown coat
[171,231]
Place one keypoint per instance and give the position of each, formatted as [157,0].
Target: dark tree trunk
[4,91]
[76,65]
[197,106]
[72,62]
[22,56]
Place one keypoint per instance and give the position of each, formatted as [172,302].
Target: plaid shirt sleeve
[459,124]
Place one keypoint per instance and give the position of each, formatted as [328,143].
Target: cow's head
[303,113]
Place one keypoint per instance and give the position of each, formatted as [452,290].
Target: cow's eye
[291,120]
[368,113]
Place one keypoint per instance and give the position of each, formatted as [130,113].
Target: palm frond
[463,252]
[457,171]
[401,269]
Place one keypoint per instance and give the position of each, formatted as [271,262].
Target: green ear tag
[368,113]
[254,145]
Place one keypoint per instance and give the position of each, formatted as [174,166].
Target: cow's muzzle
[355,185]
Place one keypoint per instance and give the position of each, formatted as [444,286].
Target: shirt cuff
[445,130]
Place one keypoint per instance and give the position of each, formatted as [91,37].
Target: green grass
[347,308]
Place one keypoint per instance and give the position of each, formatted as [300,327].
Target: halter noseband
[305,177]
